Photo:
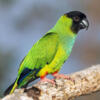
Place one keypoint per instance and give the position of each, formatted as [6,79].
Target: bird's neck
[63,29]
[63,26]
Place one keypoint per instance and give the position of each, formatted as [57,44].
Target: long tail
[25,78]
[10,89]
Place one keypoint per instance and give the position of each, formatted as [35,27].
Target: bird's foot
[61,76]
[47,80]
[56,75]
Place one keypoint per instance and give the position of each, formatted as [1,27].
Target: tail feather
[10,89]
[23,80]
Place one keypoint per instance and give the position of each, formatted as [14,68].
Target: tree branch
[86,82]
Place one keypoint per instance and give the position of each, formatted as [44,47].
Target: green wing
[42,53]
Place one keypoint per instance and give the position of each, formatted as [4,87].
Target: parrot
[49,53]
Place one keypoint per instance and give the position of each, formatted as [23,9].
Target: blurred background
[23,22]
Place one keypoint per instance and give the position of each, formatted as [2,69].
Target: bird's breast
[67,44]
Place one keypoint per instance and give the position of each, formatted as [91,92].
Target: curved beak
[84,24]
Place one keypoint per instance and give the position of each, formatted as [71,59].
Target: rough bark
[85,82]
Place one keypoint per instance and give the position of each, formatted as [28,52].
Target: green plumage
[48,54]
[41,53]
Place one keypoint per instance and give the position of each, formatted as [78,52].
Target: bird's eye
[76,19]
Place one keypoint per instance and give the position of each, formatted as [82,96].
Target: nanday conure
[50,52]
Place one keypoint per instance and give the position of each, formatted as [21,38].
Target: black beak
[84,24]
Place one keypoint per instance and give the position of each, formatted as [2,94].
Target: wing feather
[42,52]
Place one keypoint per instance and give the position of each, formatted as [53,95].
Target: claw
[56,75]
[47,80]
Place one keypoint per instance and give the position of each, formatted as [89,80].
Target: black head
[79,20]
